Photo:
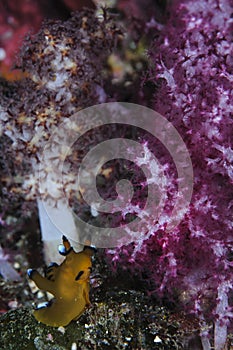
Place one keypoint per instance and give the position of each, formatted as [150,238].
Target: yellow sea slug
[68,282]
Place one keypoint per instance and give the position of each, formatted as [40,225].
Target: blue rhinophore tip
[30,272]
[52,264]
[62,249]
[42,305]
[92,247]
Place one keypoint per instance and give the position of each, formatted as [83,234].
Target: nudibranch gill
[68,282]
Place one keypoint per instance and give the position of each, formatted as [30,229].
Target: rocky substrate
[125,320]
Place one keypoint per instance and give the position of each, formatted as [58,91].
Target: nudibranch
[68,282]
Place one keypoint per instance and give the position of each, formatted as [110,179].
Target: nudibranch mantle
[68,282]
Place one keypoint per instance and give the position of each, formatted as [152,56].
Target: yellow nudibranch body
[68,282]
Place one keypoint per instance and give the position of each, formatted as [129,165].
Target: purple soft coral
[192,68]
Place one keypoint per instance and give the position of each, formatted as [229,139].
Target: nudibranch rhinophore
[68,282]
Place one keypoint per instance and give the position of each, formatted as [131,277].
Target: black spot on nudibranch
[79,275]
[50,277]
